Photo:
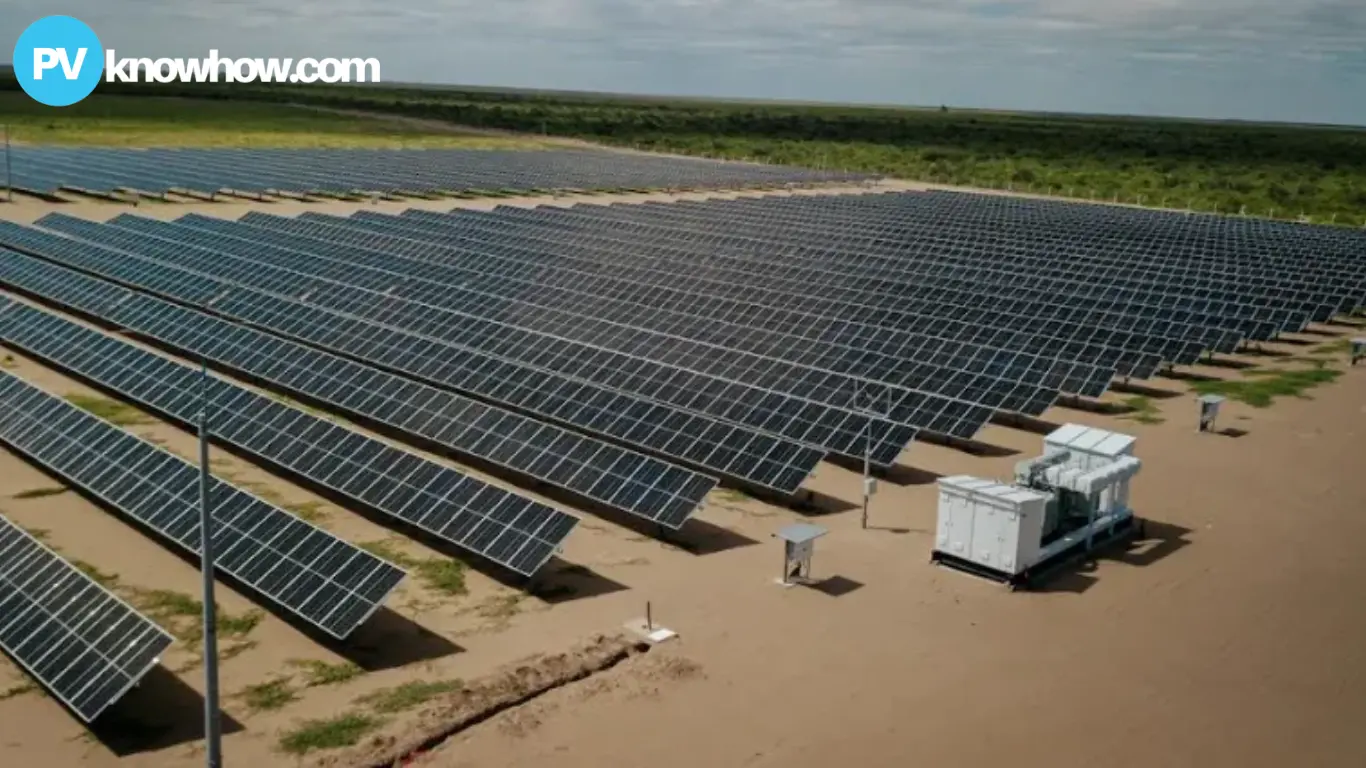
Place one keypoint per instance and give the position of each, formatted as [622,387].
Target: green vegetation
[308,511]
[502,607]
[239,626]
[409,695]
[1338,347]
[8,362]
[41,534]
[1263,386]
[38,493]
[137,121]
[1265,169]
[730,494]
[318,673]
[1142,410]
[334,733]
[183,615]
[112,411]
[106,580]
[17,690]
[442,574]
[269,696]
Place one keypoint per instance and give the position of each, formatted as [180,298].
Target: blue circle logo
[58,60]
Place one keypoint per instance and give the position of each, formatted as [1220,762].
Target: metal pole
[213,746]
[867,454]
[9,172]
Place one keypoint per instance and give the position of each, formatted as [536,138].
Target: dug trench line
[515,687]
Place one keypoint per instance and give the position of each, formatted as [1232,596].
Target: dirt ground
[1233,636]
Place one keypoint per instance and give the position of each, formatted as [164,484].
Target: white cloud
[1286,59]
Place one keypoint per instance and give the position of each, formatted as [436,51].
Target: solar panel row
[82,643]
[303,570]
[612,476]
[343,171]
[502,527]
[753,457]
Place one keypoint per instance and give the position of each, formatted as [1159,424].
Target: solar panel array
[415,171]
[542,453]
[750,337]
[303,570]
[761,393]
[485,520]
[82,643]
[758,458]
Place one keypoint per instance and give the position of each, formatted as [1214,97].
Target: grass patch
[730,494]
[163,603]
[239,626]
[111,411]
[504,607]
[308,511]
[1142,410]
[333,733]
[318,673]
[1338,347]
[1262,387]
[442,574]
[41,534]
[106,580]
[409,695]
[16,691]
[237,650]
[38,493]
[183,615]
[267,697]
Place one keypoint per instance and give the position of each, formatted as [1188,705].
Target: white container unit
[1090,448]
[987,524]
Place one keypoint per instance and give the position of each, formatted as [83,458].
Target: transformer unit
[1063,504]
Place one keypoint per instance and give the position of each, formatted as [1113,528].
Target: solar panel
[607,474]
[83,644]
[485,520]
[751,456]
[303,570]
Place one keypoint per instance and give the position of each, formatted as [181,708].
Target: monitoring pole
[867,470]
[213,746]
[9,169]
[868,482]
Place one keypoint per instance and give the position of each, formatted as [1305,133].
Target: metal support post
[213,737]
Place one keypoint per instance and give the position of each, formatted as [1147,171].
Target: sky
[1279,60]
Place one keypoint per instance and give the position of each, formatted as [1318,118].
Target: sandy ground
[1234,636]
[26,209]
